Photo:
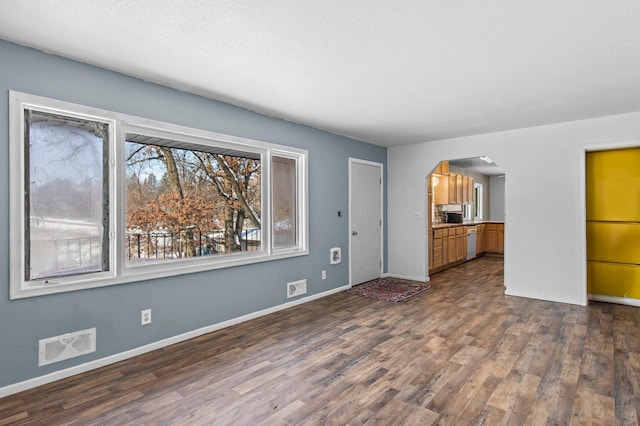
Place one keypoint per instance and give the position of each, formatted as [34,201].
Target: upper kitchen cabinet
[449,187]
[440,185]
[442,169]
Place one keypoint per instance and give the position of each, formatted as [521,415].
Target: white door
[365,199]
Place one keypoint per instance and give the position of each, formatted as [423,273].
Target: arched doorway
[466,212]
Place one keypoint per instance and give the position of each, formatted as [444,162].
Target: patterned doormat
[392,290]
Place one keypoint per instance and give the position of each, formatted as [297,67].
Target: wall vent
[335,256]
[65,346]
[296,288]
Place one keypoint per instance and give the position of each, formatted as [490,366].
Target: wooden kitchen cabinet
[452,188]
[494,238]
[442,169]
[437,258]
[480,237]
[461,242]
[459,189]
[449,247]
[455,188]
[465,189]
[452,251]
[440,185]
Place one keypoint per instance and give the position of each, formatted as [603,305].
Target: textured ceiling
[387,72]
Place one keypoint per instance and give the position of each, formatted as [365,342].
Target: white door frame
[381,167]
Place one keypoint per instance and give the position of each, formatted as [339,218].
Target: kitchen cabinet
[470,190]
[494,238]
[449,247]
[452,188]
[437,259]
[442,169]
[480,236]
[456,188]
[459,189]
[461,242]
[440,185]
[452,252]
[465,189]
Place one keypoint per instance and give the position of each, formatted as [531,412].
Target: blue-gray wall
[183,303]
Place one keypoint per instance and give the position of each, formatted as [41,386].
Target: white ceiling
[387,72]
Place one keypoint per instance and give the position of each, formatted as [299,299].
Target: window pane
[185,203]
[67,195]
[284,202]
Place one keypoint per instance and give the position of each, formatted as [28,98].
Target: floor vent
[296,288]
[65,346]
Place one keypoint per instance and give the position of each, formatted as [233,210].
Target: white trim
[382,218]
[119,125]
[112,359]
[479,200]
[407,277]
[612,299]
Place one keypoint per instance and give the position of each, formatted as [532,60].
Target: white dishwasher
[471,242]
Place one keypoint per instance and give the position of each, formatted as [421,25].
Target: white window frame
[479,207]
[119,126]
[301,200]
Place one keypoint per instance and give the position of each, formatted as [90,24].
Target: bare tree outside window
[185,203]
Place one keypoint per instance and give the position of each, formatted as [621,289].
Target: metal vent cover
[65,346]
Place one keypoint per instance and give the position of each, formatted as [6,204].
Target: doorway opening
[466,212]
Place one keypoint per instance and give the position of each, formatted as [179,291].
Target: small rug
[392,290]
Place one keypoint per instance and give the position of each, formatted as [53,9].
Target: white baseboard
[612,299]
[406,277]
[112,359]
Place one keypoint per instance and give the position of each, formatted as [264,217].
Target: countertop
[466,223]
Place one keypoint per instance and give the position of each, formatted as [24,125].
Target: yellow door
[613,222]
[613,185]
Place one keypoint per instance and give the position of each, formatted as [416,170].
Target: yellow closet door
[613,185]
[613,222]
[613,279]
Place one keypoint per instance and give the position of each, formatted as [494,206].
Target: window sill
[145,273]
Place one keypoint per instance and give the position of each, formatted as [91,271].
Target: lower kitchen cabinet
[480,237]
[437,252]
[450,244]
[461,242]
[494,238]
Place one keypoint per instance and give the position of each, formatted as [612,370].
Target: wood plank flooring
[460,354]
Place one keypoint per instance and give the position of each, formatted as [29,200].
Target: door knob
[354,233]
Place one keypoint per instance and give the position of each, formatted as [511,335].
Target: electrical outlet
[145,317]
[324,275]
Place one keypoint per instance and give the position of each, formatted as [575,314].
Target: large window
[100,198]
[67,195]
[189,201]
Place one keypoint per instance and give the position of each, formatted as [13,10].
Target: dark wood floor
[461,354]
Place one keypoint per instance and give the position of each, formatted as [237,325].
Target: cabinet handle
[354,233]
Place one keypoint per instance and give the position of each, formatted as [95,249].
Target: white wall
[497,209]
[545,229]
